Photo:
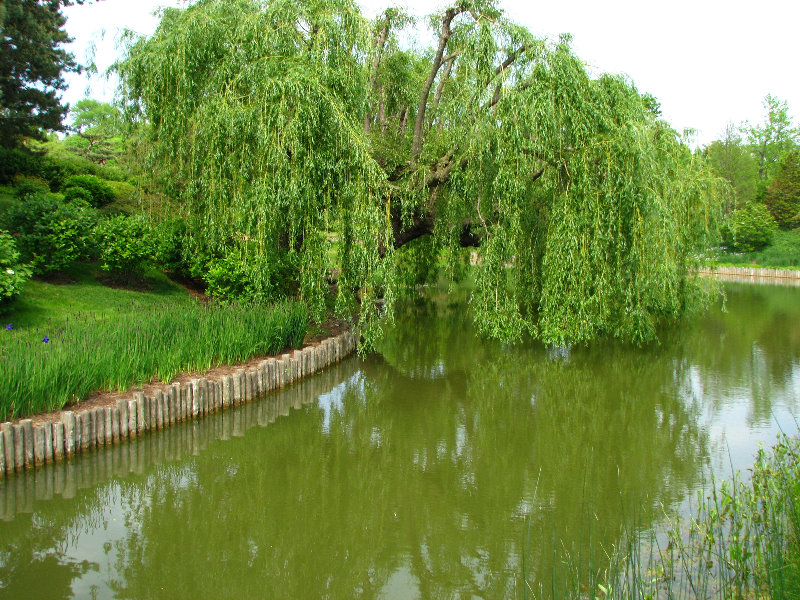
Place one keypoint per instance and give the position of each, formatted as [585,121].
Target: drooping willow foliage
[299,133]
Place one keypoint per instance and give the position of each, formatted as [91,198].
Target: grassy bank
[59,343]
[743,541]
[784,252]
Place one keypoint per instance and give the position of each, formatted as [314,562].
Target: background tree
[772,139]
[97,130]
[733,161]
[272,124]
[783,195]
[32,62]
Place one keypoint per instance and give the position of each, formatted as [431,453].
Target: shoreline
[108,419]
[756,272]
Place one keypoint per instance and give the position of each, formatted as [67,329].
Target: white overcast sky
[709,62]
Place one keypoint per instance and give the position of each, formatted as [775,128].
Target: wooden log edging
[751,272]
[25,446]
[66,478]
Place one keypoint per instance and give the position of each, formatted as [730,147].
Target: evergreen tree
[783,195]
[32,64]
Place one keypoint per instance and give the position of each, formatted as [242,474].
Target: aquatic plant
[742,541]
[49,369]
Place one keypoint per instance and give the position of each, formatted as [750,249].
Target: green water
[445,467]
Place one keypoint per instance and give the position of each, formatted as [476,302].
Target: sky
[709,62]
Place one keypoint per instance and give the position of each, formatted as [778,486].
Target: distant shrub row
[49,233]
[43,234]
[55,170]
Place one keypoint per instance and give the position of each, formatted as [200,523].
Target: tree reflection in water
[430,469]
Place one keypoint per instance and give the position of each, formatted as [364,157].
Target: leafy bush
[58,165]
[13,274]
[122,190]
[50,235]
[27,185]
[749,228]
[53,166]
[170,234]
[416,263]
[126,200]
[99,190]
[238,276]
[229,278]
[125,245]
[783,251]
[14,162]
[77,194]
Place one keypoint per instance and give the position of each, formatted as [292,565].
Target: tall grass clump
[743,541]
[43,369]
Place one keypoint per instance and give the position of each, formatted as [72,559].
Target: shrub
[416,262]
[749,228]
[50,235]
[170,234]
[237,276]
[27,185]
[77,194]
[14,162]
[126,200]
[99,190]
[125,245]
[122,190]
[53,166]
[57,166]
[13,274]
[229,278]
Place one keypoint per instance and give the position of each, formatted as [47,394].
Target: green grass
[46,304]
[100,338]
[784,252]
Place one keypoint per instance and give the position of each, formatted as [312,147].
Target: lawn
[44,304]
[784,252]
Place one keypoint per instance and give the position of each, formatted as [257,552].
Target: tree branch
[449,15]
[499,71]
[377,47]
[422,224]
[438,96]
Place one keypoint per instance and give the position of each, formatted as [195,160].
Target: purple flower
[9,327]
[46,340]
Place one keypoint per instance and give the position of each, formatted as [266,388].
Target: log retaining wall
[25,446]
[752,272]
[66,478]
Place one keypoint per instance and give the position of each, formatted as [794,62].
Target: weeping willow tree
[298,133]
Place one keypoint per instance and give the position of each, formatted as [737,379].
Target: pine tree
[32,64]
[783,195]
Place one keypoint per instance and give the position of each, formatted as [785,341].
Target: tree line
[761,163]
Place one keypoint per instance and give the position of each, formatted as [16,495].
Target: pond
[445,466]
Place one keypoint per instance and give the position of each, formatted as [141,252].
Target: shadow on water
[430,470]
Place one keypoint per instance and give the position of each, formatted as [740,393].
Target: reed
[742,541]
[44,369]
